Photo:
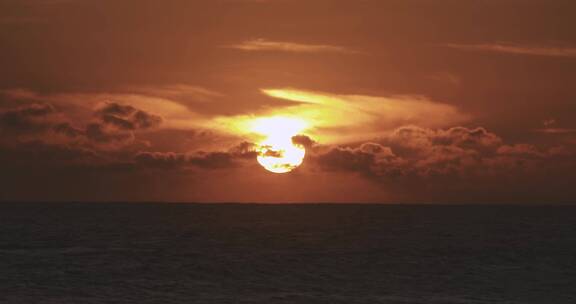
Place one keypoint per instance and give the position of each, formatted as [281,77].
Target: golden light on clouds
[285,46]
[343,118]
[328,119]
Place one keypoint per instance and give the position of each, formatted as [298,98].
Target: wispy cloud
[556,131]
[178,92]
[263,45]
[517,49]
[550,127]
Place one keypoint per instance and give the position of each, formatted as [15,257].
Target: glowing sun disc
[276,152]
[280,159]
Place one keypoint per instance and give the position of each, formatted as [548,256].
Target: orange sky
[410,101]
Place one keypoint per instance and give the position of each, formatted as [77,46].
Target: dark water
[177,253]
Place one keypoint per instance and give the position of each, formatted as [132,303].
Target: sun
[280,158]
[276,152]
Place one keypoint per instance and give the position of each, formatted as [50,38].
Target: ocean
[319,253]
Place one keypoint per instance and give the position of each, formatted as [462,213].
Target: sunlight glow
[277,153]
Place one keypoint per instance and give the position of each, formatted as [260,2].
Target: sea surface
[230,253]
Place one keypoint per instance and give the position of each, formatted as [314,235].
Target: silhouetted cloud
[362,159]
[206,160]
[165,160]
[67,129]
[98,133]
[26,118]
[170,160]
[303,140]
[114,125]
[126,117]
[419,153]
[412,139]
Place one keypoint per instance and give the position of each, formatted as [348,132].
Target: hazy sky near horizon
[404,100]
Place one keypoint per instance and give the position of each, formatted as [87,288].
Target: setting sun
[276,152]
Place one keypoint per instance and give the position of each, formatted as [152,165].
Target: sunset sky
[393,101]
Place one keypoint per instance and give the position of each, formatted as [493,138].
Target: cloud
[414,140]
[165,160]
[126,117]
[215,160]
[99,134]
[113,123]
[67,129]
[35,121]
[366,115]
[550,127]
[26,118]
[262,45]
[205,160]
[569,52]
[524,151]
[113,126]
[414,153]
[556,130]
[178,92]
[303,140]
[359,159]
[174,114]
[409,163]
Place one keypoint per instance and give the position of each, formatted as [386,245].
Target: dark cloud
[114,125]
[126,117]
[213,160]
[454,165]
[364,158]
[406,154]
[477,138]
[416,140]
[113,131]
[245,149]
[303,140]
[67,130]
[117,122]
[413,152]
[162,160]
[112,108]
[145,120]
[411,164]
[206,160]
[100,134]
[521,151]
[27,118]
